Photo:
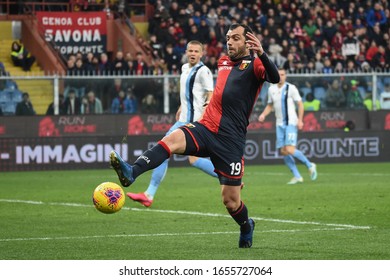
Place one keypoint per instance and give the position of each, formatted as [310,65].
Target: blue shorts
[286,136]
[226,153]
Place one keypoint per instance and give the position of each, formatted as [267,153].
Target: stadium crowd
[302,36]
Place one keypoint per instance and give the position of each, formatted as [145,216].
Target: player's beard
[241,52]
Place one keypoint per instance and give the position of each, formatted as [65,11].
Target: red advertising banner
[74,32]
[157,124]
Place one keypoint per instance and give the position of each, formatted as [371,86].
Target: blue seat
[16,95]
[362,92]
[304,91]
[319,93]
[4,96]
[9,108]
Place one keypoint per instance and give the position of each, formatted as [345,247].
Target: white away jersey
[283,100]
[195,82]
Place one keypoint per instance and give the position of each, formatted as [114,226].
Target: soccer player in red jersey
[221,133]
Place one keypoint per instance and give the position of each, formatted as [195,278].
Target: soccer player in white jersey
[196,88]
[282,97]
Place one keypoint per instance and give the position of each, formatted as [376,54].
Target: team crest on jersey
[244,64]
[190,125]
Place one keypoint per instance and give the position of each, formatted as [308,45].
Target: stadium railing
[166,87]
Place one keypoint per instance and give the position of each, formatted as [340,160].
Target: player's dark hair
[247,29]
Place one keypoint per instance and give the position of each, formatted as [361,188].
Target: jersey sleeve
[295,93]
[269,96]
[206,78]
[259,69]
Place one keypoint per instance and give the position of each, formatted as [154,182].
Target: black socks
[241,218]
[151,158]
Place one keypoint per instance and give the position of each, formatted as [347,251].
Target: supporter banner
[113,125]
[52,153]
[74,32]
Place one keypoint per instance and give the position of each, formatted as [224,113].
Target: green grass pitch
[344,215]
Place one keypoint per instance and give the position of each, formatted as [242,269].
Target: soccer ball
[108,197]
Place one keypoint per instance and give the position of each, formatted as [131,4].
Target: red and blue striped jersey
[235,93]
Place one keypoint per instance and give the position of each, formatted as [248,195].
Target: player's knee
[289,150]
[283,151]
[231,197]
[231,205]
[192,160]
[175,141]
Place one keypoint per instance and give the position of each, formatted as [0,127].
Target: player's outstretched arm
[271,71]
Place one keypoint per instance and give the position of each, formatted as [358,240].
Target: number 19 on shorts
[236,168]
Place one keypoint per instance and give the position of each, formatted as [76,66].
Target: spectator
[376,15]
[91,104]
[120,65]
[132,99]
[311,104]
[345,26]
[350,48]
[174,10]
[377,35]
[171,58]
[61,106]
[112,92]
[89,66]
[149,104]
[385,97]
[368,103]
[25,107]
[212,64]
[120,104]
[159,67]
[318,64]
[329,31]
[365,67]
[378,61]
[194,34]
[310,27]
[139,65]
[274,51]
[105,66]
[220,29]
[180,47]
[21,57]
[204,31]
[155,46]
[72,103]
[354,98]
[337,41]
[290,64]
[334,97]
[351,67]
[212,18]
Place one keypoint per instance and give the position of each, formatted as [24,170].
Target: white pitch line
[188,213]
[161,234]
[322,173]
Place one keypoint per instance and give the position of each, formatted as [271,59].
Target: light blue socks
[205,165]
[290,162]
